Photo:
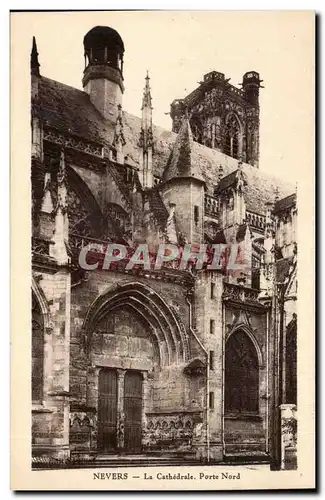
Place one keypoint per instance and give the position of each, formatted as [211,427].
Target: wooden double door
[119,411]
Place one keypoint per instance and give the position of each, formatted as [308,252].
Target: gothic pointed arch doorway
[131,338]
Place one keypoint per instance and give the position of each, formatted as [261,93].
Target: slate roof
[285,203]
[227,181]
[70,110]
[183,161]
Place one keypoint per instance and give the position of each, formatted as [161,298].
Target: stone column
[145,400]
[37,137]
[120,408]
[288,432]
[92,379]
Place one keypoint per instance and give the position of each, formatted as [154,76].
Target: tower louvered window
[232,137]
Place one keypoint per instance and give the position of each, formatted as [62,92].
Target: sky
[179,47]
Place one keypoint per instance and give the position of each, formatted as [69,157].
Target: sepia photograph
[165,182]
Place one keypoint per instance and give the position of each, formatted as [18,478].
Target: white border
[4,198]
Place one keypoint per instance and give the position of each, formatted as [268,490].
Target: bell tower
[103,74]
[222,116]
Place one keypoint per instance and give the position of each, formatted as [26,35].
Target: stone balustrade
[256,221]
[211,206]
[239,293]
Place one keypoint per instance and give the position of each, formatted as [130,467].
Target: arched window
[241,375]
[250,142]
[37,352]
[213,134]
[232,137]
[196,128]
[256,271]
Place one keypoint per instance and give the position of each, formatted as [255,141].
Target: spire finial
[276,194]
[34,64]
[119,113]
[146,100]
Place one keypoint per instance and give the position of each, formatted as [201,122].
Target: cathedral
[158,366]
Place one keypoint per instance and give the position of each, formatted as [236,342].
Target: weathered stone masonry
[190,363]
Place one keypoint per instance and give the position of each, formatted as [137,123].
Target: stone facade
[171,361]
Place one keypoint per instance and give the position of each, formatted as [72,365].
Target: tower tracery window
[250,141]
[232,137]
[196,128]
[213,135]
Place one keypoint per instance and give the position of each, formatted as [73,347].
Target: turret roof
[183,161]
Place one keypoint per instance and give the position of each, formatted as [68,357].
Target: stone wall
[187,194]
[208,325]
[122,340]
[50,418]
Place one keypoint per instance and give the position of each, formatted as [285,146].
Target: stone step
[121,461]
[246,457]
[248,447]
[102,461]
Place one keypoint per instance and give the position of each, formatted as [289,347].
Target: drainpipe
[278,307]
[275,400]
[280,371]
[267,382]
[207,380]
[223,379]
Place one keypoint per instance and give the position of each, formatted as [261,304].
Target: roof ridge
[63,84]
